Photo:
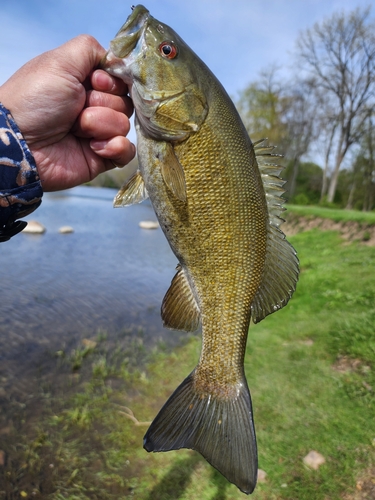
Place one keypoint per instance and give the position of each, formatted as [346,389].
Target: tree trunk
[323,191]
[342,147]
[293,181]
[369,171]
[326,164]
[349,204]
[334,178]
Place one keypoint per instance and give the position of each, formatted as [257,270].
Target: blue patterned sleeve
[20,187]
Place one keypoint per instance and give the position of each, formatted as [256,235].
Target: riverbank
[351,225]
[86,363]
[310,369]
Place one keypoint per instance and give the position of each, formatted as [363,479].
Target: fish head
[158,67]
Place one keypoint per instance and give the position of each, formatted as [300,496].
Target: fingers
[107,129]
[102,81]
[123,104]
[101,123]
[117,149]
[105,119]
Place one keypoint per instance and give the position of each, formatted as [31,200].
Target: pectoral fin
[180,310]
[133,191]
[173,173]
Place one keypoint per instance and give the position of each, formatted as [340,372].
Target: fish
[218,199]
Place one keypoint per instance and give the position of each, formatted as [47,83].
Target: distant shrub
[366,236]
[301,199]
[327,204]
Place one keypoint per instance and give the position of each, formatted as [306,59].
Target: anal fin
[179,309]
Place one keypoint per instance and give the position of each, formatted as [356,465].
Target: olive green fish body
[199,168]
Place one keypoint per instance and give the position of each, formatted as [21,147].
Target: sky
[237,39]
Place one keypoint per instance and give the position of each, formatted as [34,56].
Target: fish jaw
[168,99]
[128,35]
[125,48]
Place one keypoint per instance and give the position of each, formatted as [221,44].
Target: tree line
[325,111]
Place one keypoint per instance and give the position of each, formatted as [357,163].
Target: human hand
[74,118]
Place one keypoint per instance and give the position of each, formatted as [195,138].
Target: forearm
[20,188]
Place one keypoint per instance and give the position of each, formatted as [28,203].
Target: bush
[301,199]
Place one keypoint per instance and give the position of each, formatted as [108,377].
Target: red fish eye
[168,50]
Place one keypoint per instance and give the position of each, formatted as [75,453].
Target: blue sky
[236,38]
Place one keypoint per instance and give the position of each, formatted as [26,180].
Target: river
[109,276]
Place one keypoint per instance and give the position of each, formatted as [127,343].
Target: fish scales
[218,205]
[225,262]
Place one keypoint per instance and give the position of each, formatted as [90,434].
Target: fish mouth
[127,37]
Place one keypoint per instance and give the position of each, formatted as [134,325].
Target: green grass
[83,446]
[338,215]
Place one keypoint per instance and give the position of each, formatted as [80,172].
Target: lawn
[336,214]
[311,372]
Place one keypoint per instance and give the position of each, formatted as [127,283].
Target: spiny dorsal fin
[179,309]
[281,266]
[273,184]
[133,191]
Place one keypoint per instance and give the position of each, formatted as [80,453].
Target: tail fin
[222,430]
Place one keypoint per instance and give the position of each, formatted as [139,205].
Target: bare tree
[339,54]
[301,126]
[262,107]
[282,112]
[326,126]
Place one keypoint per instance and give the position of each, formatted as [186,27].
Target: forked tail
[221,429]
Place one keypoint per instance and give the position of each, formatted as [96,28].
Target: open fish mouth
[129,34]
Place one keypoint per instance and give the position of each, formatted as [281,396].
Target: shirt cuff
[20,187]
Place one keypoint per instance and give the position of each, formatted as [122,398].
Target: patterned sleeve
[20,187]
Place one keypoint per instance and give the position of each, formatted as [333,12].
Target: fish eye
[168,50]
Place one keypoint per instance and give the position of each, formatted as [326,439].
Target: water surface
[109,275]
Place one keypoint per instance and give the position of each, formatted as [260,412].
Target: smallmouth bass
[217,198]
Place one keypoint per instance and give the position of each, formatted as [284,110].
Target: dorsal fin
[281,266]
[180,310]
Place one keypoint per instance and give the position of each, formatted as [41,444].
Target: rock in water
[34,227]
[66,230]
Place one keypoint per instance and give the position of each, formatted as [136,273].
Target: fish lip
[129,34]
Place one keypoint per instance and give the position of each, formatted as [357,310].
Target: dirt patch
[365,487]
[345,364]
[350,230]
